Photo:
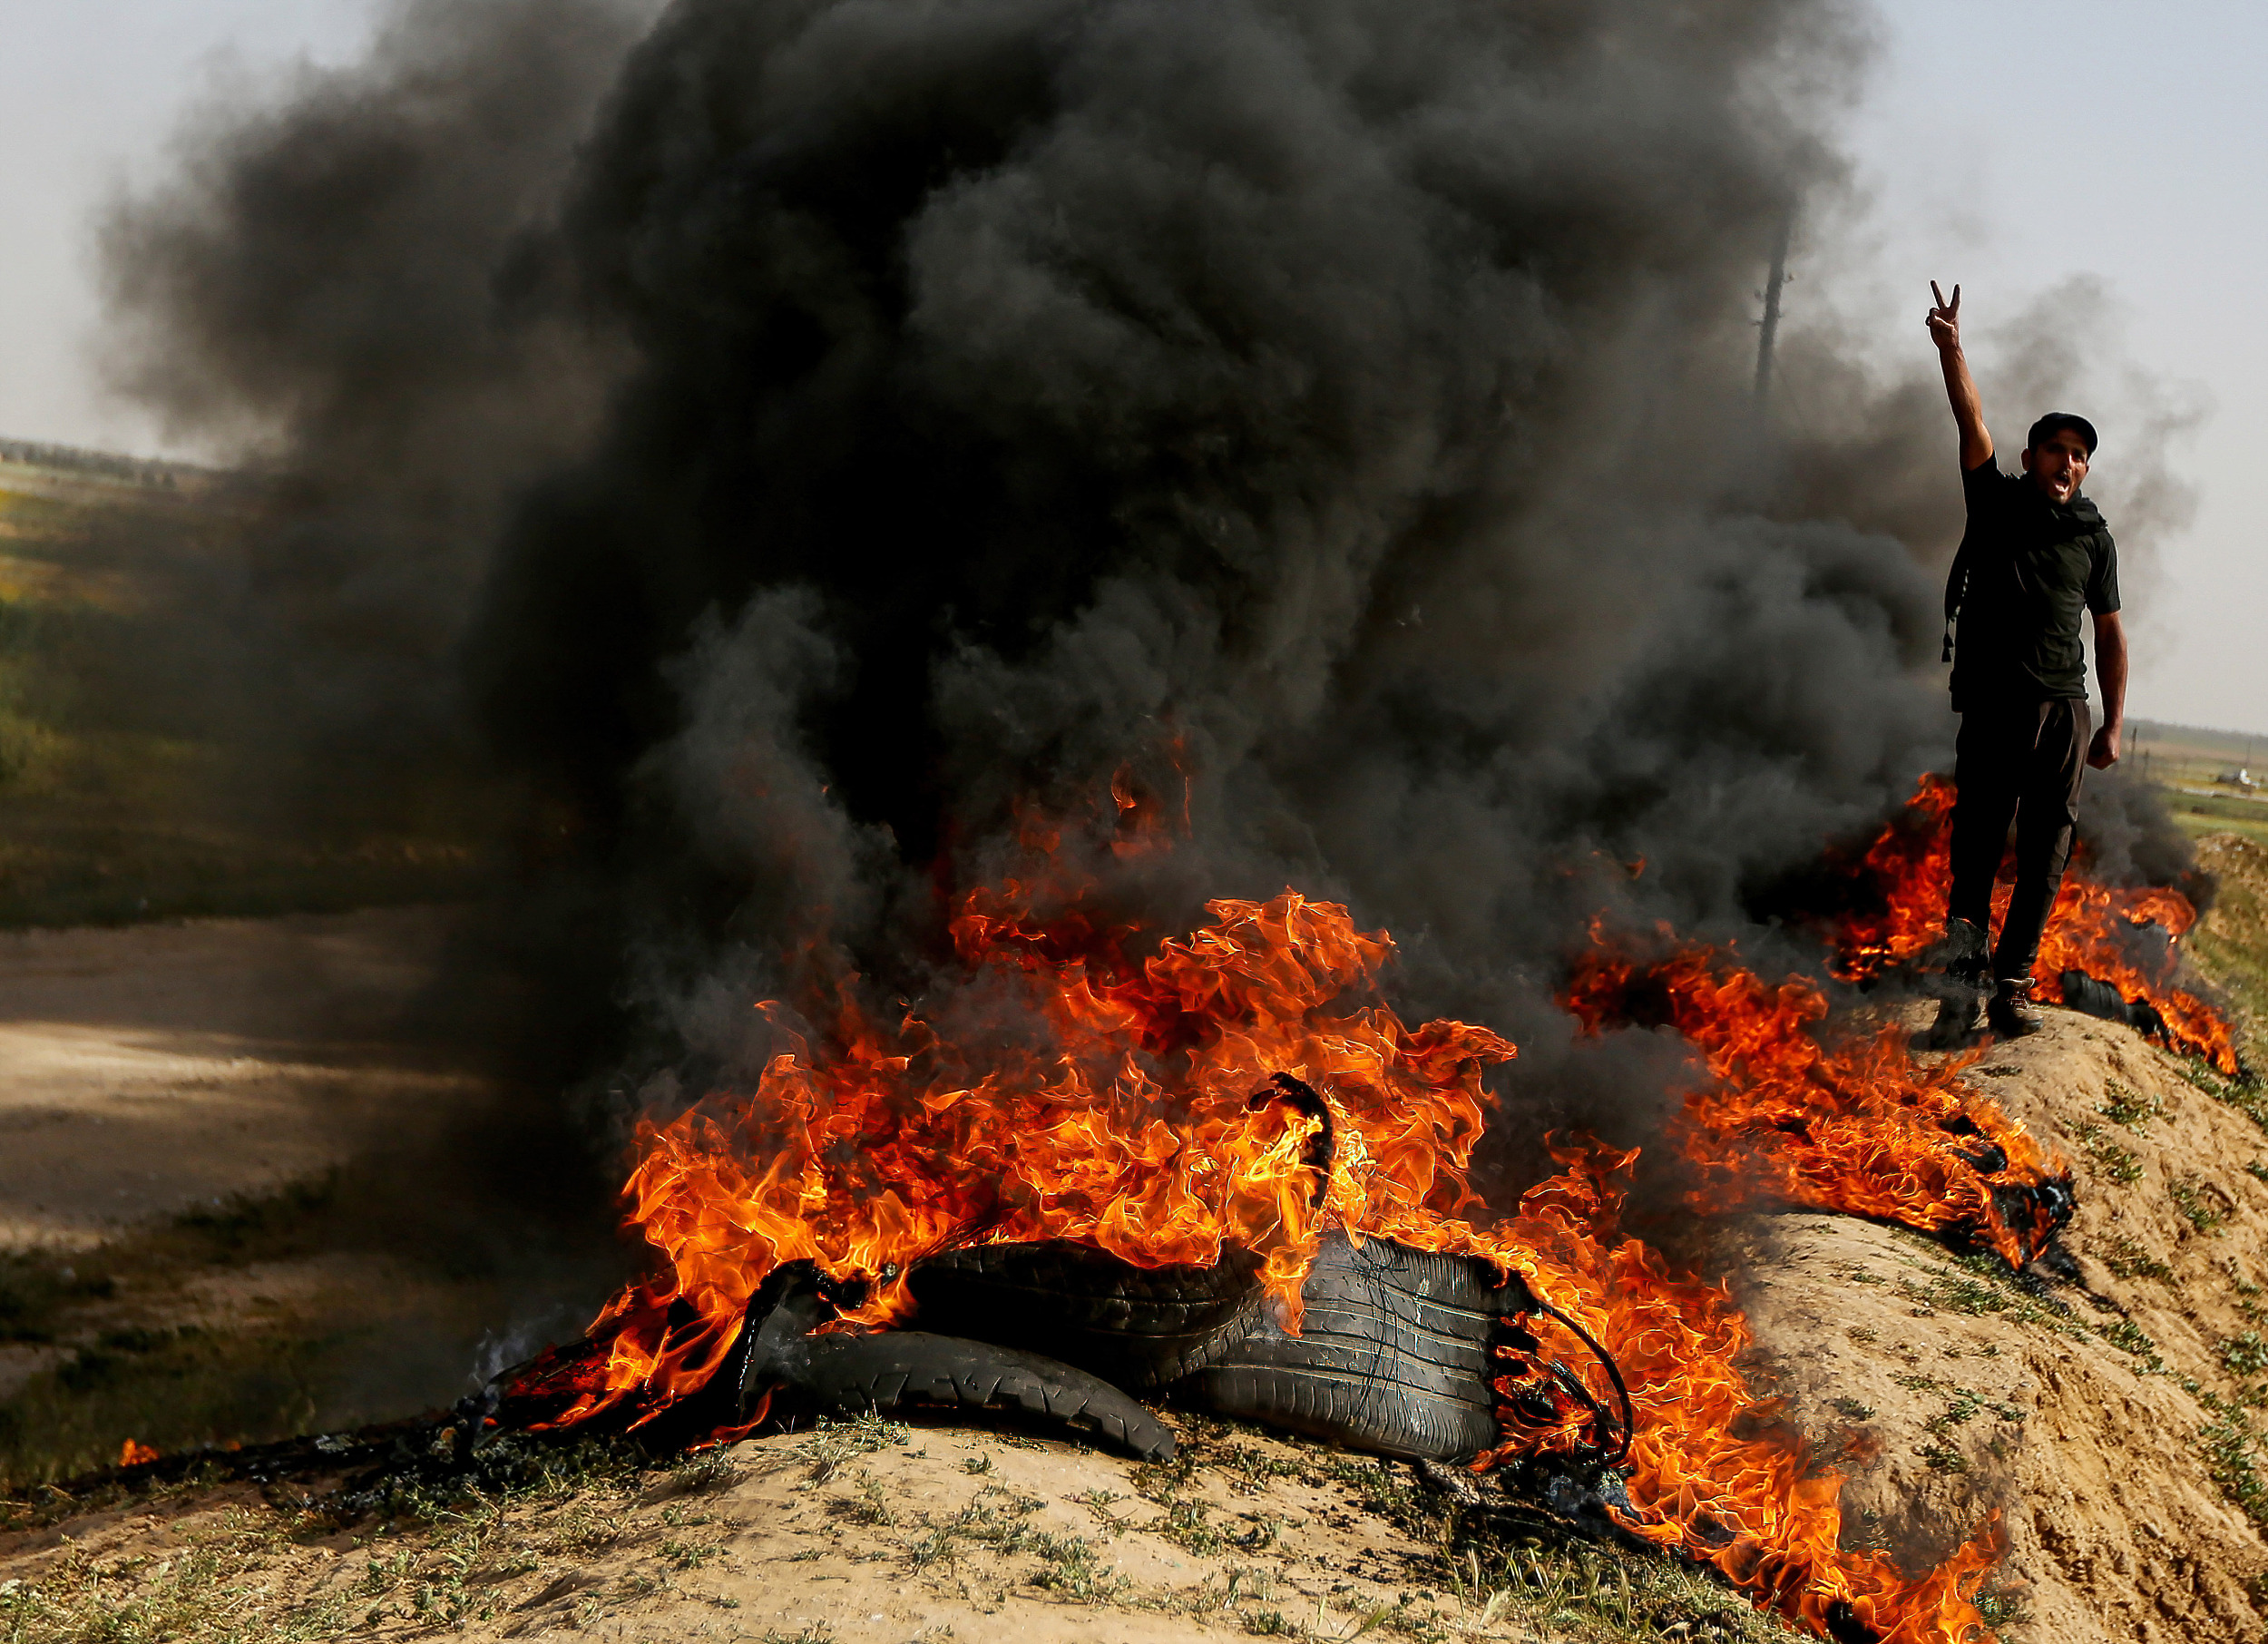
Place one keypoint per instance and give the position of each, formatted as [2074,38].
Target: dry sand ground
[2080,1419]
[881,1533]
[2093,1418]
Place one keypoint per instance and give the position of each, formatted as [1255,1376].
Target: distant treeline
[103,465]
[2231,744]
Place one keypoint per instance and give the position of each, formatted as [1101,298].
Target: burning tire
[1393,1356]
[846,1374]
[1135,1326]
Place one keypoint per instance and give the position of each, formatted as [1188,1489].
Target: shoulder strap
[1956,591]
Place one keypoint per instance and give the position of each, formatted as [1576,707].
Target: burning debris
[1219,1172]
[1793,1113]
[2112,952]
[1224,1158]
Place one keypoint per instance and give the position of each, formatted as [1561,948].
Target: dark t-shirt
[2028,566]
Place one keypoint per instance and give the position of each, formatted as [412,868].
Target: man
[2035,555]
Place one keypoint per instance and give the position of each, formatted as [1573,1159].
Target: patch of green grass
[1940,1456]
[58,871]
[2130,1107]
[1979,1284]
[2232,1448]
[2200,814]
[170,1388]
[872,1506]
[1249,1469]
[704,1471]
[2247,1095]
[833,1444]
[2230,945]
[688,1555]
[207,1591]
[122,760]
[2128,1259]
[1187,1525]
[2118,1164]
[2189,1194]
[434,1554]
[994,1519]
[1958,1293]
[1962,1410]
[2245,1353]
[39,1289]
[2003,1607]
[1068,1566]
[591,1475]
[1100,1502]
[2129,1338]
[1507,1573]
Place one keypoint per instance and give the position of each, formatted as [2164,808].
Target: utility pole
[1768,334]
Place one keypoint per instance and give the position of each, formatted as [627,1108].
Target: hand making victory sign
[1945,318]
[1976,442]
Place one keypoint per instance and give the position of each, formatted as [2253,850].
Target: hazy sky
[2004,144]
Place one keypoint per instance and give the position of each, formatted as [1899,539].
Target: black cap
[2055,423]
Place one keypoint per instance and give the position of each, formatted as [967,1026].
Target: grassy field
[127,1368]
[2188,761]
[2230,945]
[116,803]
[2200,814]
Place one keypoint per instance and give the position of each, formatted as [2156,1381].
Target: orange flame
[132,1453]
[1842,1123]
[1068,1090]
[1712,1474]
[1134,1128]
[1907,873]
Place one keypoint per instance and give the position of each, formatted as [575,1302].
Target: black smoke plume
[809,434]
[1353,399]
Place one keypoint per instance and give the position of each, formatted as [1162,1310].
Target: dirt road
[153,1067]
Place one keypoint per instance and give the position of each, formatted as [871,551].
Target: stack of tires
[1392,1356]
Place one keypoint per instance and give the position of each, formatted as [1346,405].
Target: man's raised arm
[1976,443]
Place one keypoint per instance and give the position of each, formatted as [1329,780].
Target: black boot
[1960,1017]
[2012,1012]
[1961,953]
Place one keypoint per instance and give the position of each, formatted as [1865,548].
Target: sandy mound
[871,1531]
[2093,1418]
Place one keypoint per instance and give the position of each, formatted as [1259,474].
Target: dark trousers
[2024,760]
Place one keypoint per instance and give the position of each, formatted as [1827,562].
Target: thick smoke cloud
[1353,397]
[351,285]
[789,444]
